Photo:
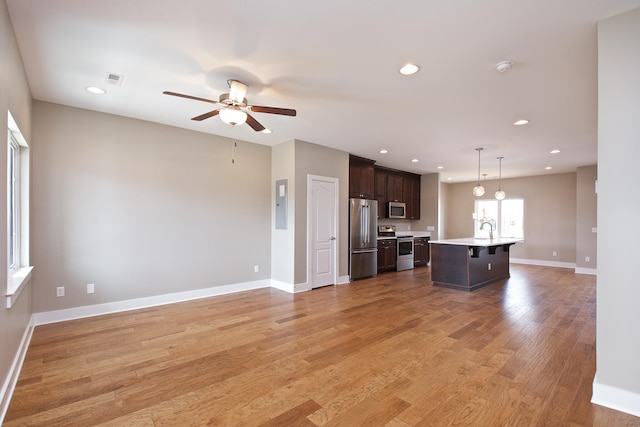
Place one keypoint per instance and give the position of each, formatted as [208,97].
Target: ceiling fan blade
[206,115]
[181,95]
[254,123]
[273,110]
[237,91]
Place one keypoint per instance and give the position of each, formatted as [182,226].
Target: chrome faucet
[482,224]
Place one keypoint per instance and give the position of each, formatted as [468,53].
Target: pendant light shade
[478,190]
[500,195]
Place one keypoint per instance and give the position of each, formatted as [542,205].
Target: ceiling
[336,63]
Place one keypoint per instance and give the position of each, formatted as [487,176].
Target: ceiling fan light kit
[233,116]
[235,109]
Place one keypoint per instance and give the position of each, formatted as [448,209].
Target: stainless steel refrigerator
[363,238]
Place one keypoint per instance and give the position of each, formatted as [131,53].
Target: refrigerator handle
[362,224]
[365,235]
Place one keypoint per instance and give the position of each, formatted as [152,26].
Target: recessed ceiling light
[548,168]
[415,160]
[503,66]
[521,122]
[409,69]
[265,130]
[449,179]
[96,90]
[440,167]
[383,151]
[554,151]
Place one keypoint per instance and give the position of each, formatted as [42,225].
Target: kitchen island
[469,264]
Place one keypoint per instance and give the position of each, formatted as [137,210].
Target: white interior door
[322,225]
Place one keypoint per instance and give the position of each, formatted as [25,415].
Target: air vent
[114,79]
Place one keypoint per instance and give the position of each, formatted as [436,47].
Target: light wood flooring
[387,351]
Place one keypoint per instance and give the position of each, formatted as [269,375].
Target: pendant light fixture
[478,190]
[500,195]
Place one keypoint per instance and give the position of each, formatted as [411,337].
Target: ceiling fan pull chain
[234,144]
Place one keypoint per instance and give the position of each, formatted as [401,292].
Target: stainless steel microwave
[397,210]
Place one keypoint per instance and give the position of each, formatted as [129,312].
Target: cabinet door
[380,255]
[411,195]
[386,255]
[394,188]
[381,193]
[391,257]
[361,178]
[420,251]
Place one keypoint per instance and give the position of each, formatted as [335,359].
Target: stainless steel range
[405,253]
[404,258]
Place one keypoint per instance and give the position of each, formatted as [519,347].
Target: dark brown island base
[469,264]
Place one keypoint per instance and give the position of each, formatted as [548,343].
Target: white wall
[141,209]
[618,286]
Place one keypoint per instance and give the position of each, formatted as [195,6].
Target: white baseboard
[543,262]
[343,280]
[283,286]
[134,304]
[615,398]
[14,372]
[590,271]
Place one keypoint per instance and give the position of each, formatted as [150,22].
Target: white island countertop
[470,241]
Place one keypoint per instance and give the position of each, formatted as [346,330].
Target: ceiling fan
[235,110]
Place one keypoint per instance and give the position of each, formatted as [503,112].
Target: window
[505,216]
[18,270]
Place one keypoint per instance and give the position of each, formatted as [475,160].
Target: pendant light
[500,195]
[478,190]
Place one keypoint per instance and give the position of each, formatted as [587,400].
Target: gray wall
[283,166]
[549,214]
[618,317]
[15,96]
[313,159]
[294,161]
[586,217]
[142,209]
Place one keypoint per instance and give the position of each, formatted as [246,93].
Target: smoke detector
[503,66]
[114,79]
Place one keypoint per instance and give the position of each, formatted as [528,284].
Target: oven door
[405,253]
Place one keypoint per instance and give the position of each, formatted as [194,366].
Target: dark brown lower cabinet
[387,255]
[420,251]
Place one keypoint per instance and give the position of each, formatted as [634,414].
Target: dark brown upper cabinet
[361,178]
[397,186]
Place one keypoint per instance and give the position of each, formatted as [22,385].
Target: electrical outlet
[256,268]
[489,266]
[594,229]
[409,227]
[60,291]
[587,259]
[431,228]
[555,253]
[91,288]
